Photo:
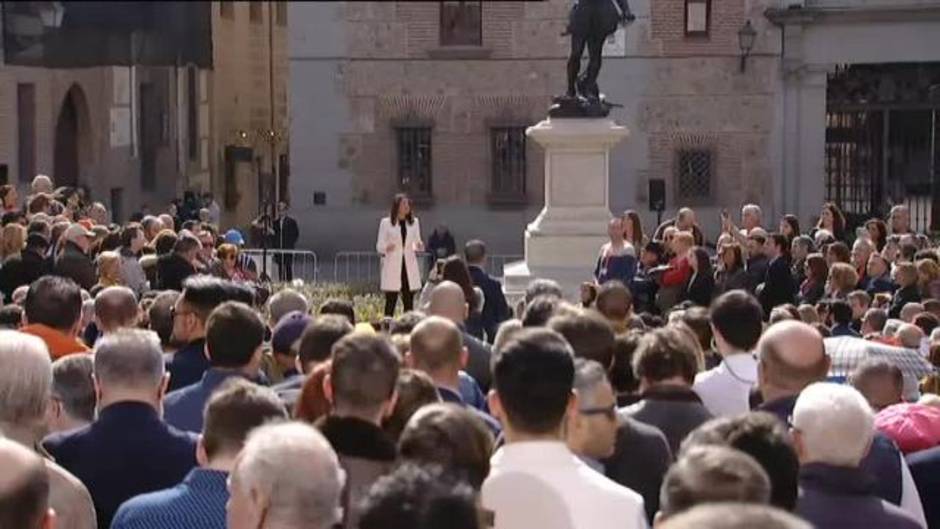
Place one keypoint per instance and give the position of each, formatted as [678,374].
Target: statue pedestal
[562,243]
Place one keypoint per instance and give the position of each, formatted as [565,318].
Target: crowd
[151,379]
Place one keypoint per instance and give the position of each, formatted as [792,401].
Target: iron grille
[414,159]
[508,147]
[694,178]
[461,24]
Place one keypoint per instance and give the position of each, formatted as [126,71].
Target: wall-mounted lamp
[746,37]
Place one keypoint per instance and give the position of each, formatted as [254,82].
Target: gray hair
[835,423]
[26,378]
[588,375]
[295,468]
[129,358]
[891,327]
[287,300]
[752,208]
[73,385]
[806,242]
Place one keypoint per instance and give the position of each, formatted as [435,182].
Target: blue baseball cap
[234,236]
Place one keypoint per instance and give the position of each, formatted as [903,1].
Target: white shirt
[725,390]
[541,484]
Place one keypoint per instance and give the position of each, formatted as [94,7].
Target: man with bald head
[437,348]
[24,489]
[25,399]
[115,308]
[791,356]
[447,301]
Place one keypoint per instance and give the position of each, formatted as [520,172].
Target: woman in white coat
[399,241]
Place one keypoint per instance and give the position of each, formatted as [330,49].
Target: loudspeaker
[657,194]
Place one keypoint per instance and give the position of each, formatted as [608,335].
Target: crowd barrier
[287,265]
[365,267]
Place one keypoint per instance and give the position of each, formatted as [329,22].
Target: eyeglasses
[608,411]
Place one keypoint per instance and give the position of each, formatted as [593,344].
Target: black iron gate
[882,134]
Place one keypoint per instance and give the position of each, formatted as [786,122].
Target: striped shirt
[196,503]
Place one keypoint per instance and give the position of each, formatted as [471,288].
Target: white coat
[391,260]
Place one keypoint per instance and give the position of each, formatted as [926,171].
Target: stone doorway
[71,138]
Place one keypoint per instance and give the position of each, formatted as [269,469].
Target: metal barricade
[287,265]
[357,268]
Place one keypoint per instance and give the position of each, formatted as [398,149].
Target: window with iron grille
[414,159]
[254,12]
[461,24]
[694,175]
[507,148]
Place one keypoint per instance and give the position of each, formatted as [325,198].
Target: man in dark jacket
[666,364]
[286,233]
[833,426]
[495,308]
[73,261]
[757,261]
[234,335]
[778,283]
[190,313]
[925,467]
[791,357]
[174,268]
[23,269]
[128,450]
[361,387]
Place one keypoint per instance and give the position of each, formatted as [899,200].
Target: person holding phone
[399,241]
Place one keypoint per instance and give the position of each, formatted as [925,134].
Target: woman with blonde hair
[842,279]
[109,271]
[13,272]
[227,267]
[928,278]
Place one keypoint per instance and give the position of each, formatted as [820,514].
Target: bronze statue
[589,24]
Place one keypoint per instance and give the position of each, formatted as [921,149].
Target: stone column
[562,243]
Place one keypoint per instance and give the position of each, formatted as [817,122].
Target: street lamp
[746,37]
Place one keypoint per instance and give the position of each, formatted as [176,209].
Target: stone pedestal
[562,243]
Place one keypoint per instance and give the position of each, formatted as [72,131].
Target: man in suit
[129,449]
[778,282]
[234,335]
[286,233]
[495,308]
[176,267]
[201,294]
[199,501]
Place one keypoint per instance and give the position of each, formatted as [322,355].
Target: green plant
[368,303]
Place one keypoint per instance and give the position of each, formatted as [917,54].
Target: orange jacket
[59,343]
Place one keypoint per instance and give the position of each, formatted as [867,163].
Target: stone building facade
[138,137]
[370,80]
